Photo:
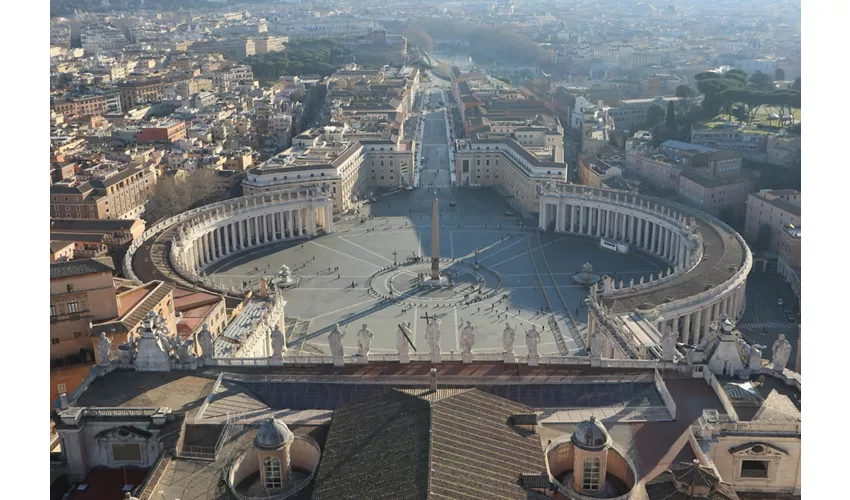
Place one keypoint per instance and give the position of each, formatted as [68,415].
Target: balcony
[59,318]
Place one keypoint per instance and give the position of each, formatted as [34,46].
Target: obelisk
[435,242]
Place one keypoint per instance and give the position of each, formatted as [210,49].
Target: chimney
[433,379]
[63,401]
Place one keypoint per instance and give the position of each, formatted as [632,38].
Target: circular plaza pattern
[465,283]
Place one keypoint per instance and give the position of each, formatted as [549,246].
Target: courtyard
[512,273]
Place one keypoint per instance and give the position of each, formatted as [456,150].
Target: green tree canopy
[685,92]
[779,74]
[761,82]
[655,114]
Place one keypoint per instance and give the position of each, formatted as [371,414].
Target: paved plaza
[400,228]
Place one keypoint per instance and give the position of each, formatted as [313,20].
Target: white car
[409,188]
[779,302]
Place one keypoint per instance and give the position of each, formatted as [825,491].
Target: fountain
[586,276]
[284,278]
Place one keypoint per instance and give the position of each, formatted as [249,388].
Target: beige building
[121,195]
[774,208]
[349,169]
[594,171]
[515,171]
[61,250]
[789,262]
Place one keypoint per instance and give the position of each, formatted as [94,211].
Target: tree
[671,116]
[779,74]
[173,195]
[685,92]
[655,114]
[763,238]
[504,79]
[761,82]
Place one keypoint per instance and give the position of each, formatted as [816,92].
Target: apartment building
[716,183]
[232,48]
[776,209]
[81,292]
[632,113]
[265,44]
[780,149]
[789,262]
[594,171]
[82,106]
[120,195]
[134,92]
[162,132]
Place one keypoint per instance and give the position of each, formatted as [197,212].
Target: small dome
[273,434]
[591,435]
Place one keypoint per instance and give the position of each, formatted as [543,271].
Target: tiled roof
[384,447]
[81,267]
[136,314]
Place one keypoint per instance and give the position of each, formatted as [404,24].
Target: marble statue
[185,350]
[335,343]
[621,284]
[508,337]
[364,341]
[532,339]
[467,337]
[781,353]
[206,341]
[278,342]
[668,344]
[432,336]
[631,282]
[641,280]
[126,350]
[608,284]
[660,274]
[404,333]
[103,345]
[152,347]
[754,360]
[597,345]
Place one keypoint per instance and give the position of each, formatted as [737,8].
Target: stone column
[329,220]
[269,227]
[252,229]
[653,238]
[573,219]
[697,319]
[216,241]
[557,217]
[298,223]
[312,217]
[581,219]
[706,320]
[675,326]
[608,223]
[715,311]
[289,223]
[671,244]
[237,235]
[686,329]
[196,253]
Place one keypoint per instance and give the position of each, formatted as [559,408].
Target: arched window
[590,479]
[271,473]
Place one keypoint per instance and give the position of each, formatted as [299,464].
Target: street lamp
[395,262]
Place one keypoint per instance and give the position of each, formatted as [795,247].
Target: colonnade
[227,235]
[692,326]
[667,239]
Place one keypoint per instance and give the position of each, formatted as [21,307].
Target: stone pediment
[757,449]
[123,432]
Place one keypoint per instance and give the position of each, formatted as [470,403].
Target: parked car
[779,302]
[791,319]
[409,188]
[788,312]
[509,213]
[452,204]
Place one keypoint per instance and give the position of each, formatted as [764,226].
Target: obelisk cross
[435,241]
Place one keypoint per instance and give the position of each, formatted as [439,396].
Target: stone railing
[794,428]
[93,411]
[661,387]
[721,395]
